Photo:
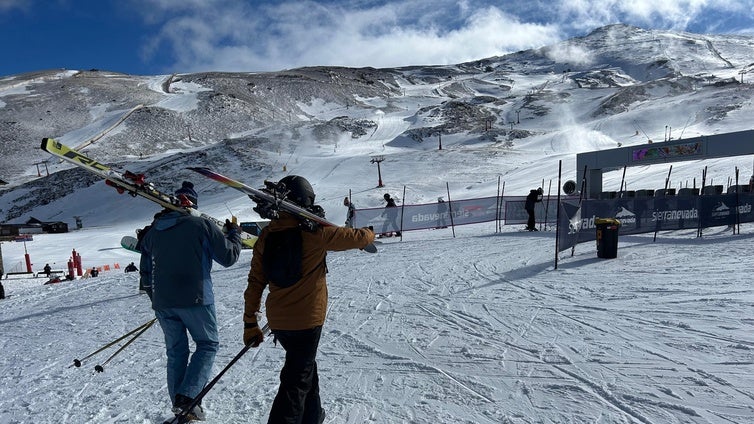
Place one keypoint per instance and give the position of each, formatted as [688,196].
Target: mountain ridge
[617,85]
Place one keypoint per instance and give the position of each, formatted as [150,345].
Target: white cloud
[294,34]
[236,35]
[666,14]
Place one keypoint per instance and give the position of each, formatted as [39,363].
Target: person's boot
[182,402]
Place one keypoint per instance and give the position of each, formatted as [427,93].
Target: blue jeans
[188,377]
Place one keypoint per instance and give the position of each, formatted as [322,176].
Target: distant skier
[534,197]
[442,213]
[48,270]
[391,210]
[290,261]
[131,268]
[351,212]
[94,272]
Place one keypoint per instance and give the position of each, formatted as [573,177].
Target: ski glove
[252,334]
[231,227]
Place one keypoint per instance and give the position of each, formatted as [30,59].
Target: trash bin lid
[606,221]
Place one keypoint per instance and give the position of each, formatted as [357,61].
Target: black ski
[270,200]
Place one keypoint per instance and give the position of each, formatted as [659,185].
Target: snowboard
[131,183]
[270,200]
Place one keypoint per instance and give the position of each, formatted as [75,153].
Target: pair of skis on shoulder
[131,183]
[272,198]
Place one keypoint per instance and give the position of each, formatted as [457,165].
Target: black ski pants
[531,223]
[297,401]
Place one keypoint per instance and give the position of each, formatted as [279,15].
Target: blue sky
[149,37]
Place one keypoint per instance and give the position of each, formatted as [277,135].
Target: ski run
[475,329]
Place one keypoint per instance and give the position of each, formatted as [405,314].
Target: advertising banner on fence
[649,214]
[515,213]
[430,215]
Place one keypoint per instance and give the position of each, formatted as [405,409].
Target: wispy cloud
[235,35]
[6,5]
[705,16]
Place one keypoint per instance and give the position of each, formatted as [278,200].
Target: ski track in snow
[495,335]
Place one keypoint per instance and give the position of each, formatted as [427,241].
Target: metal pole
[403,204]
[547,205]
[450,210]
[535,205]
[557,224]
[737,224]
[699,202]
[664,194]
[497,206]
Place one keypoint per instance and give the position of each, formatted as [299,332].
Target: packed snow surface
[480,328]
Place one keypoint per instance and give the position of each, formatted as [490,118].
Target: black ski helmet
[301,192]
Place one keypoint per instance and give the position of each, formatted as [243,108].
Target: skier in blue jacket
[176,259]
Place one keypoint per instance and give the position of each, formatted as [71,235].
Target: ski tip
[371,248]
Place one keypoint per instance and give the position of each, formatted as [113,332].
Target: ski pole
[77,362]
[182,417]
[100,368]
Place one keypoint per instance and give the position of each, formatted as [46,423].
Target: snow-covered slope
[479,328]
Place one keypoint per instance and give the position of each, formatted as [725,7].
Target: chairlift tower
[378,160]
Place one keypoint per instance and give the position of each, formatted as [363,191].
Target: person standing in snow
[534,197]
[2,290]
[351,212]
[290,261]
[442,213]
[176,259]
[391,210]
[48,270]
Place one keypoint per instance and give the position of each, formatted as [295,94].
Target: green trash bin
[607,237]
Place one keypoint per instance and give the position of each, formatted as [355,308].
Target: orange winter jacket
[303,305]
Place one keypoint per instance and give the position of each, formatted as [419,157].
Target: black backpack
[283,253]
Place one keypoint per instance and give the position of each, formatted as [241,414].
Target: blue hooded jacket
[176,259]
